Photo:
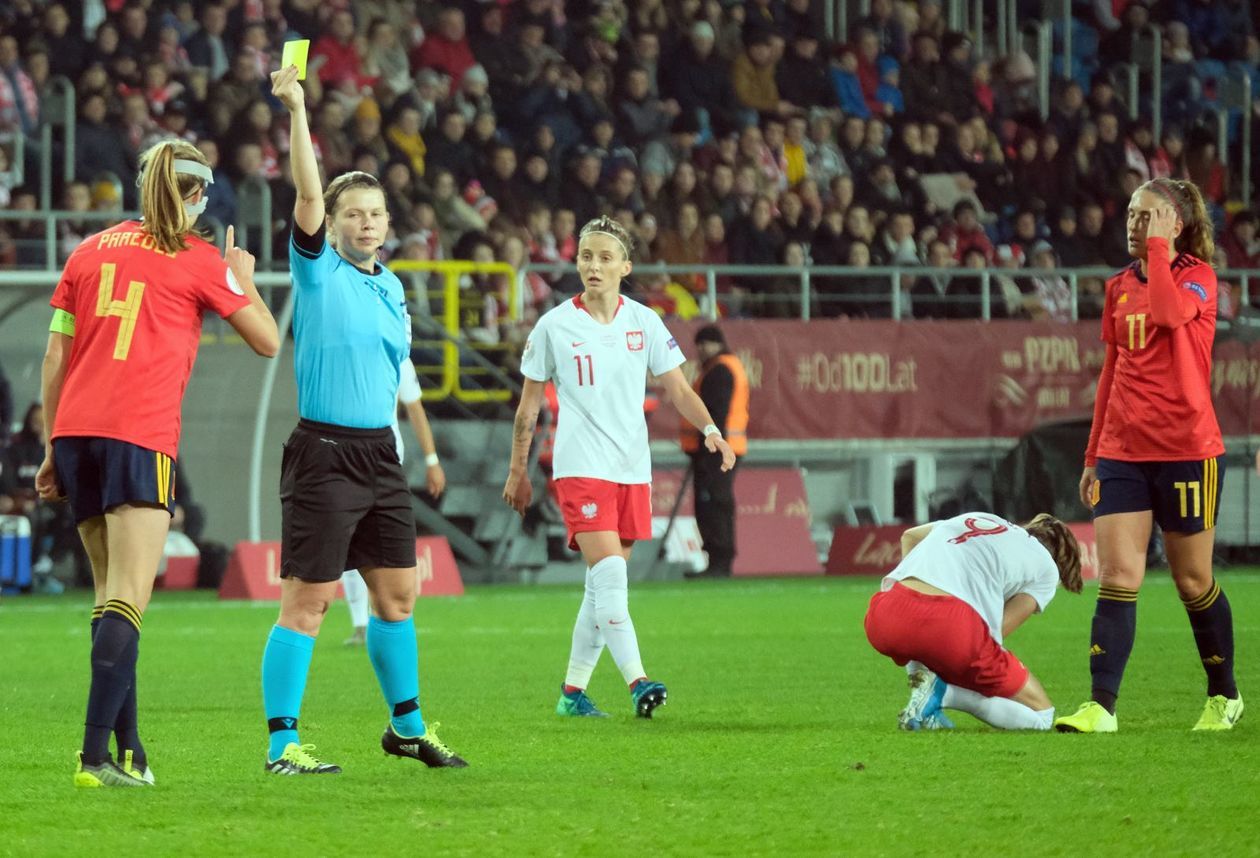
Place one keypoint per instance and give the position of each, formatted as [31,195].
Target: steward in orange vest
[723,386]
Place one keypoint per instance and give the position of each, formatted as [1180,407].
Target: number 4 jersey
[1160,405]
[136,325]
[600,373]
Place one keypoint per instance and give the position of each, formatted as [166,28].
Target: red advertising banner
[876,550]
[771,519]
[881,379]
[254,570]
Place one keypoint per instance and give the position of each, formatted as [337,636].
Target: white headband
[200,171]
[611,235]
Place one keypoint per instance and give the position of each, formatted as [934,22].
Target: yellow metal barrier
[451,319]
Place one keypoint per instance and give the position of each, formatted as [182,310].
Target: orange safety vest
[736,429]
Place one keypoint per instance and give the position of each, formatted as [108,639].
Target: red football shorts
[947,635]
[590,505]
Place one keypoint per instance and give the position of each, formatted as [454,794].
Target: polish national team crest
[589,510]
[634,341]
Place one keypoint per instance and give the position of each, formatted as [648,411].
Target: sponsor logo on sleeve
[673,343]
[1197,288]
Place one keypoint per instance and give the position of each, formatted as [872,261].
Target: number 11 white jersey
[600,372]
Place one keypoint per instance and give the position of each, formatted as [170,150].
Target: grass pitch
[779,737]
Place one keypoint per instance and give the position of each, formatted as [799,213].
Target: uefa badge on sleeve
[634,341]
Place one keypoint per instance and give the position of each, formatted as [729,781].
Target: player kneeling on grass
[963,584]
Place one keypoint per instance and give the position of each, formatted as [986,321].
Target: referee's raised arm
[308,211]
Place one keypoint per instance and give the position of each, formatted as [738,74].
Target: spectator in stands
[823,155]
[802,76]
[221,201]
[67,50]
[641,118]
[1068,246]
[242,85]
[1049,297]
[684,244]
[753,76]
[1120,45]
[1241,245]
[405,141]
[889,32]
[1103,245]
[19,99]
[99,145]
[447,48]
[450,151]
[700,84]
[335,55]
[455,216]
[77,197]
[538,184]
[582,194]
[894,243]
[1069,113]
[846,84]
[385,60]
[928,295]
[965,233]
[207,47]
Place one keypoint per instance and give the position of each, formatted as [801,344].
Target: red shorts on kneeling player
[945,634]
[590,505]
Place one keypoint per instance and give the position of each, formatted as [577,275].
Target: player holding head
[1155,450]
[345,501]
[962,586]
[435,481]
[125,330]
[599,349]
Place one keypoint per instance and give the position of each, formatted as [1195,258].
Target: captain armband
[62,323]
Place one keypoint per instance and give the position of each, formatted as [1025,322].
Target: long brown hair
[163,191]
[1196,227]
[1055,536]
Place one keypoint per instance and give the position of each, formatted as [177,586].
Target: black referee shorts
[344,503]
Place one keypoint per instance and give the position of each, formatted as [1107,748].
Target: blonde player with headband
[599,349]
[126,325]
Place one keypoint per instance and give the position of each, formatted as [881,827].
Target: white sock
[356,597]
[913,667]
[1000,712]
[612,614]
[588,641]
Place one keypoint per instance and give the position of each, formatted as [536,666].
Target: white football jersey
[600,372]
[408,392]
[983,560]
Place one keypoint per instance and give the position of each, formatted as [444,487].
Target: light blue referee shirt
[350,333]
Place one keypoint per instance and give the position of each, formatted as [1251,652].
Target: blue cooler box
[15,554]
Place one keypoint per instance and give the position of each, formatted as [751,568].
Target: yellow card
[295,55]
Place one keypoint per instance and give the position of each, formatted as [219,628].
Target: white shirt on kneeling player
[983,560]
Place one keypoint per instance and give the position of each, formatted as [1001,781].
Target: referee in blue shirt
[345,501]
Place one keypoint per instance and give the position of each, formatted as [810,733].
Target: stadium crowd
[723,132]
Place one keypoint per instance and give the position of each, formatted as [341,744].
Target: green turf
[779,738]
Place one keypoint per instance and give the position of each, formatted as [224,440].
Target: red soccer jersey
[137,317]
[1158,404]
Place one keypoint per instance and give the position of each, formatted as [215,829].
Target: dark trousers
[715,509]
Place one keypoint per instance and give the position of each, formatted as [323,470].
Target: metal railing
[711,297]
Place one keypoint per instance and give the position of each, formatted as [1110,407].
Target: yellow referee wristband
[62,323]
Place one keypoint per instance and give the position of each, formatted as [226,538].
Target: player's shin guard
[356,597]
[1111,642]
[286,661]
[114,648]
[588,641]
[997,712]
[1213,625]
[612,614]
[395,657]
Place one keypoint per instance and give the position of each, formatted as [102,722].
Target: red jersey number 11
[589,378]
[127,310]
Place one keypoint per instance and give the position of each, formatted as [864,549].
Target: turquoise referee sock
[395,657]
[286,661]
